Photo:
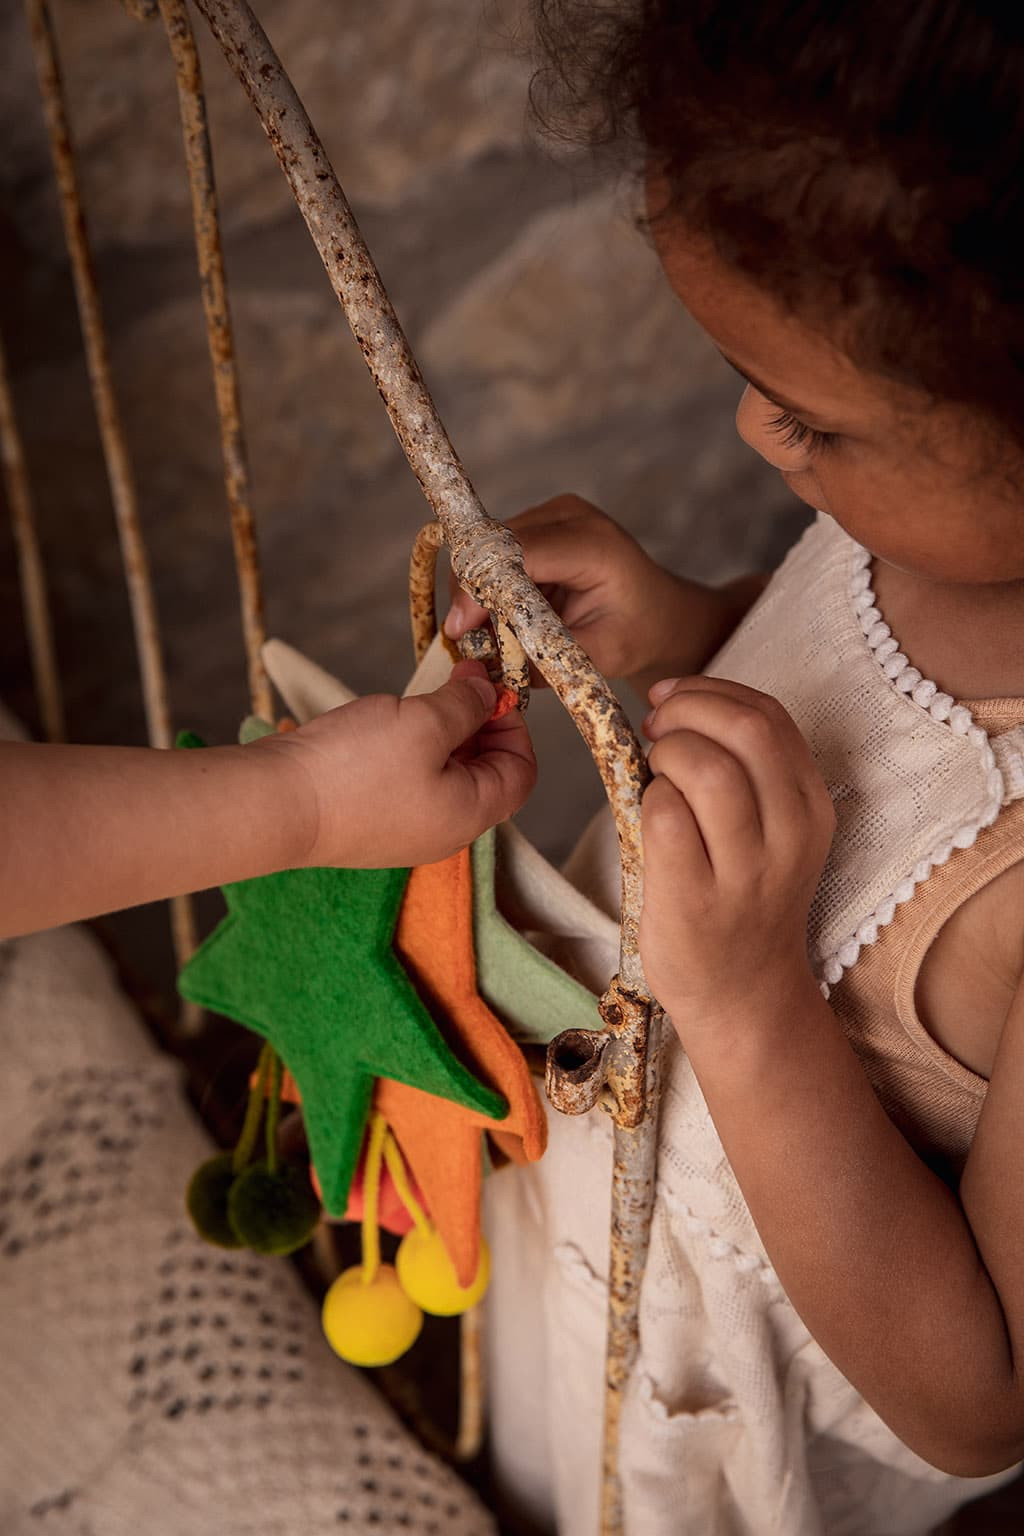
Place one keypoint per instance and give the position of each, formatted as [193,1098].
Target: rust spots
[422,566]
[220,342]
[574,1071]
[615,1059]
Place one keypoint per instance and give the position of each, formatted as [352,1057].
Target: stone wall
[559,358]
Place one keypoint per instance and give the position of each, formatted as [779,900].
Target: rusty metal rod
[634,1175]
[503,650]
[487,560]
[422,603]
[34,601]
[108,417]
[515,664]
[220,339]
[97,354]
[469,1437]
[485,555]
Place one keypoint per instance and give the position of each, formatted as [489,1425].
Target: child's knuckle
[715,773]
[660,806]
[756,730]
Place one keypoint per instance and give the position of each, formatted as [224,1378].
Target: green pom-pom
[207,1201]
[273,1212]
[189,739]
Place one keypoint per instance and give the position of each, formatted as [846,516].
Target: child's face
[904,477]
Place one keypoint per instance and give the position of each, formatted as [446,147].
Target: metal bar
[422,604]
[515,664]
[34,600]
[217,312]
[469,1437]
[500,651]
[487,560]
[115,452]
[634,1176]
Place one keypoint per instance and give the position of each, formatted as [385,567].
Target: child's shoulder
[972,971]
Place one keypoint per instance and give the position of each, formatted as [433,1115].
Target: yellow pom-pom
[370,1324]
[427,1274]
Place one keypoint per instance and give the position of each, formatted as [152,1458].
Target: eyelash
[797,434]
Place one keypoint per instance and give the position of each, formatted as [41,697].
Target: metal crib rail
[616,1068]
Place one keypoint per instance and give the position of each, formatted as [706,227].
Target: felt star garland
[304,958]
[441,1141]
[297,947]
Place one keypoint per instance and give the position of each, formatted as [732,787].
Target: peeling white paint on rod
[488,561]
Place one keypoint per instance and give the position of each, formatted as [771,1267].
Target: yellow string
[371,1195]
[396,1167]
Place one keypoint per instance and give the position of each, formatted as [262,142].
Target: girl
[832,1318]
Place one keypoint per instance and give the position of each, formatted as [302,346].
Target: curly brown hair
[861,159]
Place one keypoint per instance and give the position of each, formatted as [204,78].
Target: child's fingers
[457,710]
[555,557]
[494,783]
[718,792]
[492,773]
[758,732]
[463,615]
[675,854]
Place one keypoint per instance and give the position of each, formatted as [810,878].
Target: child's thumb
[465,702]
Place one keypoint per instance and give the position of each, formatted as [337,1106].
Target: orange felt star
[439,1139]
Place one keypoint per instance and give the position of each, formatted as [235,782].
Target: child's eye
[797,434]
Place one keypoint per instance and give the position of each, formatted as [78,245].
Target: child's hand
[392,782]
[633,618]
[737,824]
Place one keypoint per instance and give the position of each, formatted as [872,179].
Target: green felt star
[535,997]
[304,958]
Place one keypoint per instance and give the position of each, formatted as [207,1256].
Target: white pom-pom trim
[719,1247]
[907,680]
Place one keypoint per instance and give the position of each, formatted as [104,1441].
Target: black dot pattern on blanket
[214,1335]
[64,1179]
[151,1383]
[393,1492]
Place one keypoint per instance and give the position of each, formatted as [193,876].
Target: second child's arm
[379,782]
[916,1295]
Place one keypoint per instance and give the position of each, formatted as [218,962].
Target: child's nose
[753,415]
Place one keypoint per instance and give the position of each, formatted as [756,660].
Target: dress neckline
[904,678]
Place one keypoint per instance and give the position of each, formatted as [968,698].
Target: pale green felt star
[304,958]
[535,997]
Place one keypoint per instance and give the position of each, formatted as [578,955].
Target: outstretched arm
[379,782]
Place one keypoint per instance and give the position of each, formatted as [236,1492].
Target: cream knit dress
[736,1421]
